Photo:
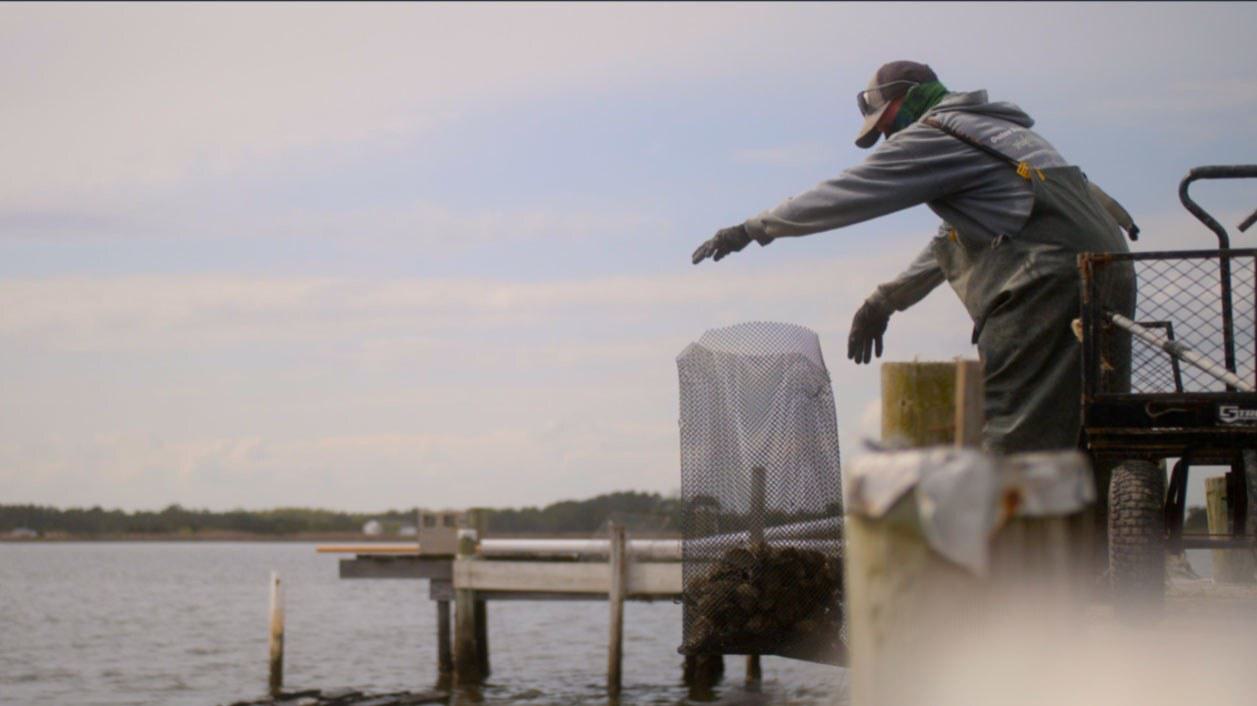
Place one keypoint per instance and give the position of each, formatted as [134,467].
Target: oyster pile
[766,600]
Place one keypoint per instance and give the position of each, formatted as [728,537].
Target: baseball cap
[888,83]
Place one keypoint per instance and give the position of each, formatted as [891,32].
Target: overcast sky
[389,255]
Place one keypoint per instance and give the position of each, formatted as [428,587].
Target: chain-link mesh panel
[1180,297]
[762,494]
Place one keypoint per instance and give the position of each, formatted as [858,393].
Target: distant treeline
[639,511]
[177,519]
[644,510]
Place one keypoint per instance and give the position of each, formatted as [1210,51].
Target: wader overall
[1023,291]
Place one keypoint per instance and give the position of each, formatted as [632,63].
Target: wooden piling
[927,404]
[482,637]
[702,672]
[470,657]
[969,416]
[444,655]
[615,597]
[758,510]
[480,520]
[754,672]
[276,681]
[1229,565]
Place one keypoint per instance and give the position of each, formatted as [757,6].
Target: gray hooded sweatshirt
[981,196]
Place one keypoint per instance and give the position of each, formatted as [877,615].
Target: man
[1015,218]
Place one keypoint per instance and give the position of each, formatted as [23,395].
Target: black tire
[1137,537]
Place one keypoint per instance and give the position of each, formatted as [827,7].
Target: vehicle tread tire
[1137,545]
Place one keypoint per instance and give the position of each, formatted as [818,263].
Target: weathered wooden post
[469,664]
[1229,565]
[969,416]
[618,561]
[444,655]
[276,680]
[482,637]
[758,508]
[701,672]
[480,520]
[920,401]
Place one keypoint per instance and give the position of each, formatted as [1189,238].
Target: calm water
[185,623]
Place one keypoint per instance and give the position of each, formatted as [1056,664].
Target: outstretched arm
[918,166]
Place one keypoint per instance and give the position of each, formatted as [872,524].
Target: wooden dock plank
[645,578]
[370,548]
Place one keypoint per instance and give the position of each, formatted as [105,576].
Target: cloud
[133,312]
[146,390]
[109,100]
[266,128]
[801,154]
[113,101]
[1180,107]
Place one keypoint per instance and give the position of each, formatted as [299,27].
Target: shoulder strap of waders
[1023,168]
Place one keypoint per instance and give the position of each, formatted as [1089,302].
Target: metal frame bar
[1176,502]
[1092,318]
[1245,171]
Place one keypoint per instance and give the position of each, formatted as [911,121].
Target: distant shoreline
[355,537]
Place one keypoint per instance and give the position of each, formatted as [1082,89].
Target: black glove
[725,241]
[866,330]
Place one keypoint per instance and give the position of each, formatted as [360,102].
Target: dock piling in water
[276,681]
[615,597]
[444,654]
[471,649]
[759,510]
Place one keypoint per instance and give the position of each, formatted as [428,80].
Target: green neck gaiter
[917,102]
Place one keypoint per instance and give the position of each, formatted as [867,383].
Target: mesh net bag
[762,495]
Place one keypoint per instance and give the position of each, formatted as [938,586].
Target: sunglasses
[867,107]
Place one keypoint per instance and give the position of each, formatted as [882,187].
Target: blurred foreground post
[618,561]
[1229,565]
[947,548]
[276,681]
[950,546]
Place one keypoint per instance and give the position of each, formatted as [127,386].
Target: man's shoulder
[916,137]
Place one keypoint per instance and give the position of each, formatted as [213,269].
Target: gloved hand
[866,330]
[725,241]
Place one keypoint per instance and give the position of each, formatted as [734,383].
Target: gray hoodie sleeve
[916,166]
[913,284]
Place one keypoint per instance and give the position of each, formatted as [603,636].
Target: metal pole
[1180,351]
[1239,171]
